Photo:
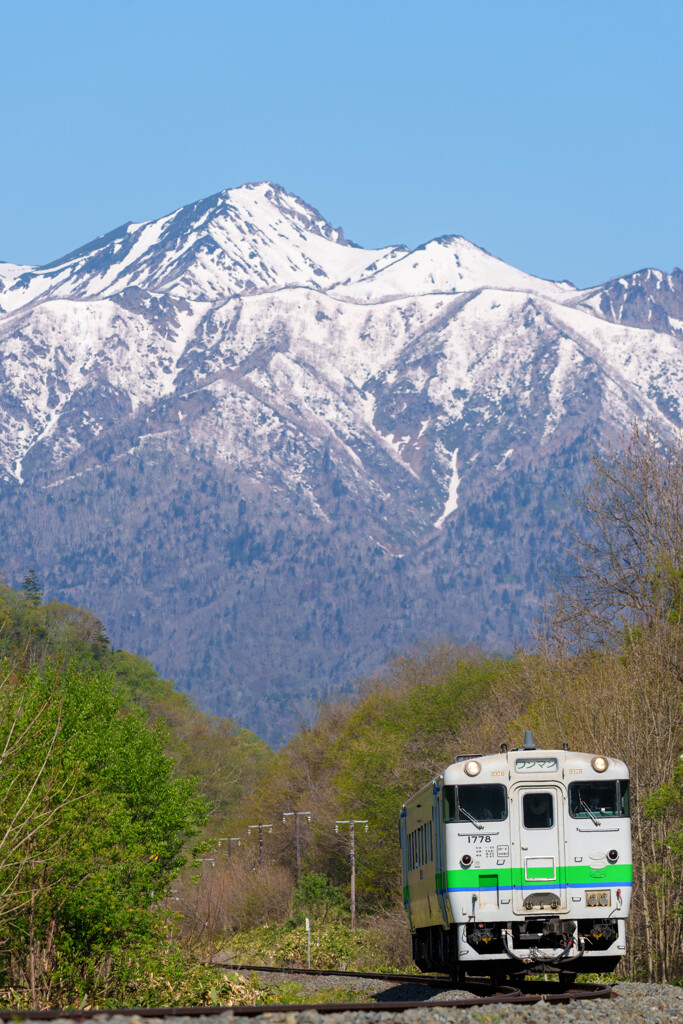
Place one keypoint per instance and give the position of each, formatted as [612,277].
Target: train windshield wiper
[471,817]
[588,810]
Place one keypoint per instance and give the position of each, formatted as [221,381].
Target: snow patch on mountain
[452,499]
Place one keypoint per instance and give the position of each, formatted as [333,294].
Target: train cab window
[475,803]
[449,803]
[538,810]
[599,799]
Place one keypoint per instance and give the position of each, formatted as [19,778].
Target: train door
[539,876]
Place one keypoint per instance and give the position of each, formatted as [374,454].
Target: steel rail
[419,979]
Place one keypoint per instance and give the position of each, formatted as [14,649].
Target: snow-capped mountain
[268,457]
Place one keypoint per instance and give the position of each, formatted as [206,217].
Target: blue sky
[550,133]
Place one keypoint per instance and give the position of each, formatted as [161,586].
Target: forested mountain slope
[225,758]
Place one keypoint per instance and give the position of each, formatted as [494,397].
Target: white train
[519,861]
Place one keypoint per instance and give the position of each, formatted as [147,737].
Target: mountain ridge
[236,431]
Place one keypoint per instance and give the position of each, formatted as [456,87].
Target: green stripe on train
[576,875]
[573,875]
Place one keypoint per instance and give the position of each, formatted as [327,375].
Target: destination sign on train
[536,764]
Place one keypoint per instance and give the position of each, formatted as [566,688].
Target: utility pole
[352,822]
[230,840]
[260,839]
[297,835]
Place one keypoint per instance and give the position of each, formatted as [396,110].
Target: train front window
[483,803]
[598,799]
[538,810]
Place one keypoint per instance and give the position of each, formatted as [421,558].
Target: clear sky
[548,132]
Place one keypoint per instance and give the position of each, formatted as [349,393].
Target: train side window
[624,798]
[538,810]
[431,841]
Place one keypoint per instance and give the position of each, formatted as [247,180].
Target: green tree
[32,589]
[317,897]
[104,824]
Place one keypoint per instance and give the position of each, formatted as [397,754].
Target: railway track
[418,979]
[532,991]
[483,993]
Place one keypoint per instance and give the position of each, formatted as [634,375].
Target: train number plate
[598,898]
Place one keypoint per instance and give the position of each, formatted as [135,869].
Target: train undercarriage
[509,949]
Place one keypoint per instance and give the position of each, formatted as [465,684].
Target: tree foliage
[624,566]
[225,757]
[101,767]
[93,821]
[364,756]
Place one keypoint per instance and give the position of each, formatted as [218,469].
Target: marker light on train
[599,763]
[466,860]
[613,856]
[472,767]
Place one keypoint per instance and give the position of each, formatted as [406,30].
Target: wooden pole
[297,835]
[352,837]
[352,822]
[260,839]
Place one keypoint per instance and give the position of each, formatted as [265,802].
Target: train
[519,862]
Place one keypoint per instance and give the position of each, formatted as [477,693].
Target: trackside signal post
[297,834]
[352,822]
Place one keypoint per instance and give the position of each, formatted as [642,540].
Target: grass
[333,947]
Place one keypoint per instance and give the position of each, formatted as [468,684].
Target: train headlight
[472,767]
[600,764]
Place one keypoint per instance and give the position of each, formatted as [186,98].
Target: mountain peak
[251,238]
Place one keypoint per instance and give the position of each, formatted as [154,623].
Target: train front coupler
[548,944]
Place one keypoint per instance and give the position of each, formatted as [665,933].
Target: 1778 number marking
[479,839]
